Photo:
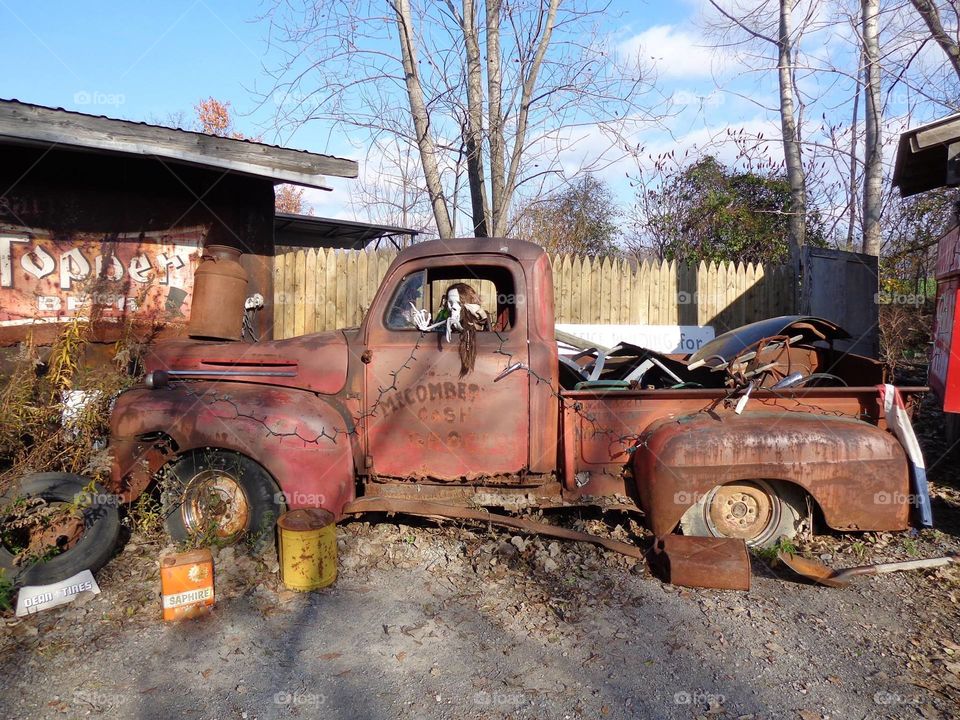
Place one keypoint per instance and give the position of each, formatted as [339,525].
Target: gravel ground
[467,622]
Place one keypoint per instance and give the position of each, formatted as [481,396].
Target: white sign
[36,598]
[187,598]
[684,339]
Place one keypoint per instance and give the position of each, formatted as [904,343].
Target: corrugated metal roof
[318,232]
[27,123]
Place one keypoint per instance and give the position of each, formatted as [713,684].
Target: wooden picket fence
[325,289]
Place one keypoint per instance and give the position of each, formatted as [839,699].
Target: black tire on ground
[101,528]
[758,511]
[222,493]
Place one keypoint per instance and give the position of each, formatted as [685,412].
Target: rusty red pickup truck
[762,430]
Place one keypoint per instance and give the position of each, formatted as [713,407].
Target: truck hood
[317,363]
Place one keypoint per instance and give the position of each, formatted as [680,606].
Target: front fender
[303,441]
[857,473]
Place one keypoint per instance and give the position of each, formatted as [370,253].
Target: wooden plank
[330,291]
[300,294]
[616,301]
[653,294]
[715,300]
[319,289]
[673,291]
[563,293]
[373,280]
[290,278]
[605,296]
[589,300]
[640,302]
[739,290]
[352,307]
[723,294]
[279,293]
[363,290]
[310,292]
[69,129]
[576,288]
[703,285]
[616,274]
[341,296]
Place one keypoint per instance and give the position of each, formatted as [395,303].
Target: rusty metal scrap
[437,510]
[720,563]
[818,572]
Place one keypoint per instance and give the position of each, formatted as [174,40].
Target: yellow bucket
[308,549]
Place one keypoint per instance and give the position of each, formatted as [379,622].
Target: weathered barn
[107,219]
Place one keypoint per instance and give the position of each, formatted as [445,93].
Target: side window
[490,287]
[409,292]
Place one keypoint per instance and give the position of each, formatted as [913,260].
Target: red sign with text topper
[148,276]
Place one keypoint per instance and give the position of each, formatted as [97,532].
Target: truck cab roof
[518,249]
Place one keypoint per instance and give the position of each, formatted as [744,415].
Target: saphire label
[187,598]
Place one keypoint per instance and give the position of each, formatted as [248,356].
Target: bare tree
[873,136]
[754,22]
[391,190]
[931,17]
[499,86]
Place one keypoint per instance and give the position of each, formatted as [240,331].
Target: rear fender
[855,472]
[303,441]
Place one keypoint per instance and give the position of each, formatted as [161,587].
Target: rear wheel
[756,511]
[218,496]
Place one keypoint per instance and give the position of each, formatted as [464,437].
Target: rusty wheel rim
[62,534]
[747,510]
[215,502]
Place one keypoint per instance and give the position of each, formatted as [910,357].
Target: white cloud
[674,53]
[332,204]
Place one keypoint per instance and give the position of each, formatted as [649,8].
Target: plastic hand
[420,318]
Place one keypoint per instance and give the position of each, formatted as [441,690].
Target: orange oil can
[186,584]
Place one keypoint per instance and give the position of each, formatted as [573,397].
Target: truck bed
[601,427]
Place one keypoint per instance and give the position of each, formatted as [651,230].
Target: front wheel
[218,496]
[756,511]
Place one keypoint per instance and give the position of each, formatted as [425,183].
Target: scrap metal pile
[783,352]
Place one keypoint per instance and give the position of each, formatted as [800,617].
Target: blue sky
[145,61]
[149,61]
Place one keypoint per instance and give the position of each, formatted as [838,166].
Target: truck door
[424,418]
